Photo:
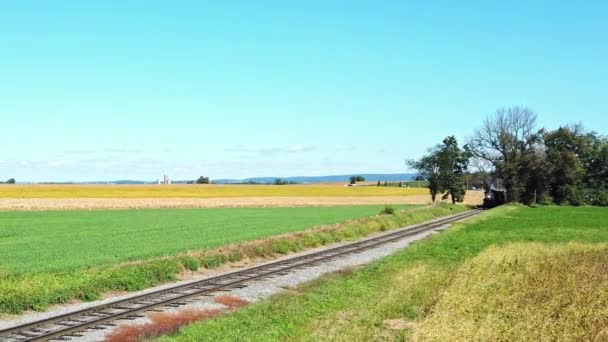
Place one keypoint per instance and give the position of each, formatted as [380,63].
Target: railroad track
[100,317]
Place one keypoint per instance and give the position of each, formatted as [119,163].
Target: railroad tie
[66,324]
[21,333]
[136,316]
[122,307]
[74,335]
[173,305]
[182,292]
[107,324]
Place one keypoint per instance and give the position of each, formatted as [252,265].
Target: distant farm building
[165,180]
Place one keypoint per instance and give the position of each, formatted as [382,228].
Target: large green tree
[568,151]
[596,177]
[428,168]
[444,167]
[453,164]
[506,138]
[577,166]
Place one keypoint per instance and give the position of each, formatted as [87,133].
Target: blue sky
[101,90]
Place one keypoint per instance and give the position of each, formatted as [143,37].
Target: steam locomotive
[494,198]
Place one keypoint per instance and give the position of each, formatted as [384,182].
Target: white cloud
[56,163]
[120,150]
[270,150]
[80,151]
[345,148]
[299,149]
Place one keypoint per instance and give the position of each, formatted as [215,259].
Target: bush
[312,240]
[191,263]
[598,197]
[235,256]
[387,211]
[575,196]
[281,247]
[213,261]
[260,251]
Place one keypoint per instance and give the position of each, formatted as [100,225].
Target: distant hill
[370,177]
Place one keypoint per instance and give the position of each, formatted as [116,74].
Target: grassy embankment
[55,257]
[515,274]
[199,191]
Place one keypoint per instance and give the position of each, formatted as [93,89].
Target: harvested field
[200,191]
[23,204]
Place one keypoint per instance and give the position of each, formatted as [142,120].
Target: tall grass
[525,292]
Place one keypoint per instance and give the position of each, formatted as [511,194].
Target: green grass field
[57,257]
[67,240]
[468,283]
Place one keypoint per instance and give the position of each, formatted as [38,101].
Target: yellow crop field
[201,191]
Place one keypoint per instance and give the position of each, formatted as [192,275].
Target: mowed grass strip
[199,191]
[67,240]
[38,290]
[390,299]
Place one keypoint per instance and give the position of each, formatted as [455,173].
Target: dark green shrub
[235,256]
[191,263]
[312,240]
[281,247]
[213,261]
[260,251]
[387,211]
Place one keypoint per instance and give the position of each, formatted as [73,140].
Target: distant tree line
[202,180]
[355,179]
[399,184]
[9,181]
[281,181]
[568,165]
[277,181]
